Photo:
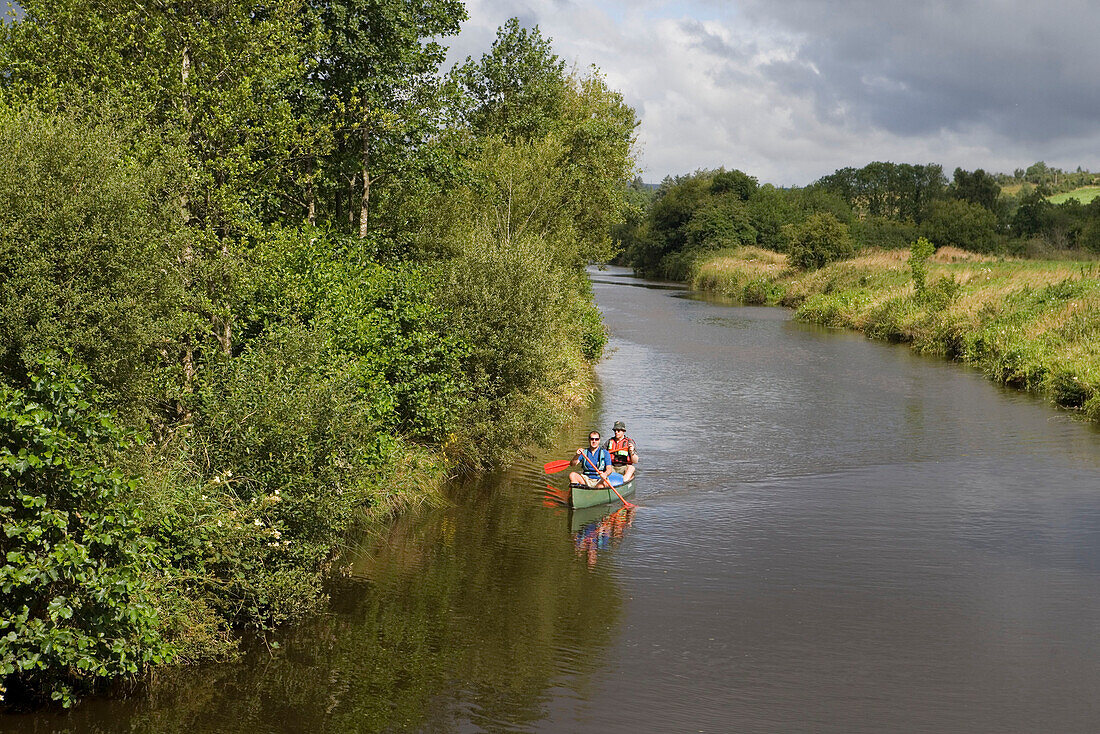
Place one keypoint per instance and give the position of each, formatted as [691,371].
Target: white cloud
[791,91]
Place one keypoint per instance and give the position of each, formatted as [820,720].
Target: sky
[790,90]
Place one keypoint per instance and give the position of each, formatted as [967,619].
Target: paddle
[606,480]
[553,467]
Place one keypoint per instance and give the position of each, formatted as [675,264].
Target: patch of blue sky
[10,11]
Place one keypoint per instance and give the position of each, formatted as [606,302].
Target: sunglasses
[597,438]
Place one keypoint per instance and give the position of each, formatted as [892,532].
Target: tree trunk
[185,75]
[311,194]
[187,358]
[364,206]
[351,200]
[225,337]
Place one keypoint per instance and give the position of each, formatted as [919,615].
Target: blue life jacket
[599,457]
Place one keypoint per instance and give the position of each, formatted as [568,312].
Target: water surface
[832,535]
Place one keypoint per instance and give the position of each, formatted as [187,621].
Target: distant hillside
[1085,194]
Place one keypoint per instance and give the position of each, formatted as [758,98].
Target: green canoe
[581,497]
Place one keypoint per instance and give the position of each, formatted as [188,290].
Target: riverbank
[1030,324]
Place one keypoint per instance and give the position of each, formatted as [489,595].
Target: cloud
[1022,69]
[790,91]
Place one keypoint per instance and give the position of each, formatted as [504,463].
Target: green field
[1085,194]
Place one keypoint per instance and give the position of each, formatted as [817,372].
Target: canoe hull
[580,497]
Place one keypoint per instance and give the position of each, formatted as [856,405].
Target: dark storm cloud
[1022,69]
[714,43]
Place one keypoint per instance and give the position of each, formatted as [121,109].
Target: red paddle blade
[553,467]
[554,497]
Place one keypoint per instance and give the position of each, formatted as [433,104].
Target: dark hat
[620,426]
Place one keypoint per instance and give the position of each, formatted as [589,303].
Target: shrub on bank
[821,239]
[532,327]
[958,223]
[75,567]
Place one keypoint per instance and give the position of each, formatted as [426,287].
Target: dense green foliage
[313,269]
[893,190]
[882,205]
[75,566]
[690,216]
[820,239]
[86,252]
[919,253]
[960,223]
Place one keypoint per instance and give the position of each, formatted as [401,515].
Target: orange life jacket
[620,451]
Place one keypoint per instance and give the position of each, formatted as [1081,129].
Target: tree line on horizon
[267,272]
[881,205]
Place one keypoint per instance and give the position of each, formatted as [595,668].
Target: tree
[211,77]
[770,210]
[1033,213]
[961,224]
[517,90]
[722,223]
[205,81]
[738,182]
[895,190]
[567,186]
[819,240]
[977,188]
[919,253]
[378,72]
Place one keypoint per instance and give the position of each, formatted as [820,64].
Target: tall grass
[1030,324]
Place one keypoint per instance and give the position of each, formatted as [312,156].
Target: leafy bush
[76,607]
[883,233]
[919,253]
[720,225]
[942,293]
[1068,389]
[821,239]
[832,309]
[890,319]
[531,325]
[286,451]
[957,223]
[738,182]
[87,256]
[380,323]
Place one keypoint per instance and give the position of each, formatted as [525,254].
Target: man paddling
[624,453]
[594,463]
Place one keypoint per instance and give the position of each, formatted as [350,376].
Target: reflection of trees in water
[465,614]
[597,529]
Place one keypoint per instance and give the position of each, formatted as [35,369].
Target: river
[831,535]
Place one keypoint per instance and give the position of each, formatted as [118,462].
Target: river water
[832,535]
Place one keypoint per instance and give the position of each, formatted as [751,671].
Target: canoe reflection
[597,529]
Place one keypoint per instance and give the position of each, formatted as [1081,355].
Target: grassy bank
[1030,324]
